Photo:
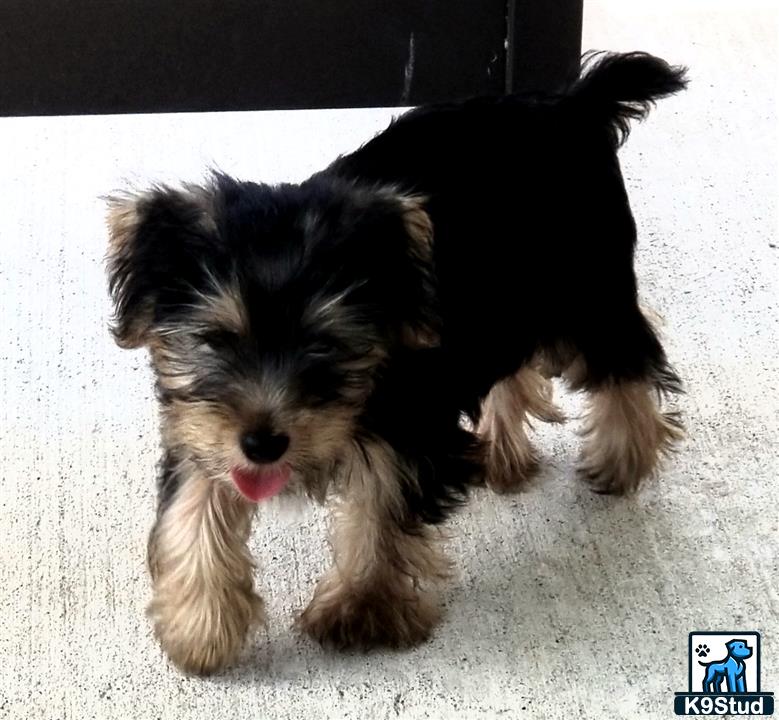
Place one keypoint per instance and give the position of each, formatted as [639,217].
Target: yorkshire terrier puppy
[328,338]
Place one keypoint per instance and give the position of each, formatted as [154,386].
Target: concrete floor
[566,605]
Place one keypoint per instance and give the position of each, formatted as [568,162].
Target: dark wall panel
[544,43]
[112,56]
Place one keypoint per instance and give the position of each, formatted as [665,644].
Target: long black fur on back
[534,236]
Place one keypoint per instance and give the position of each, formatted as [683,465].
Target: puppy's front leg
[377,592]
[203,604]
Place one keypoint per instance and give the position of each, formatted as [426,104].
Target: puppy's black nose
[263,446]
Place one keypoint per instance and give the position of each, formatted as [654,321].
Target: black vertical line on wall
[511,19]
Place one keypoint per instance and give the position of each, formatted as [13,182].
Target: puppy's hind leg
[625,373]
[510,457]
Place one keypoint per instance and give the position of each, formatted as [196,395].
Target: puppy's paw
[509,465]
[615,461]
[366,618]
[609,470]
[606,480]
[205,635]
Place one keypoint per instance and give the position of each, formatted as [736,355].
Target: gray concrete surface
[565,605]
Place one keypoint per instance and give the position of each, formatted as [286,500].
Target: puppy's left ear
[159,244]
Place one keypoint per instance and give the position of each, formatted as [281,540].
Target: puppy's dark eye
[320,349]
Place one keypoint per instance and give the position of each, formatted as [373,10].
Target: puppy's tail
[616,88]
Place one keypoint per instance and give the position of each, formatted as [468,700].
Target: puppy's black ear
[159,242]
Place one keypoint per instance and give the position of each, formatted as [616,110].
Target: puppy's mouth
[261,483]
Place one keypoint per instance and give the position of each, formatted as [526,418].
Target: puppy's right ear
[157,253]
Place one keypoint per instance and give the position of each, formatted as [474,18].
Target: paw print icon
[702,650]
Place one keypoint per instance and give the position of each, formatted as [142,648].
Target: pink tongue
[256,485]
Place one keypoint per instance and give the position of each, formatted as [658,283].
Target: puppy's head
[269,313]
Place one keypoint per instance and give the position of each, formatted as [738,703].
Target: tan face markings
[224,308]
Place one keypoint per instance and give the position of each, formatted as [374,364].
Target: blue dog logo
[724,675]
[732,670]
